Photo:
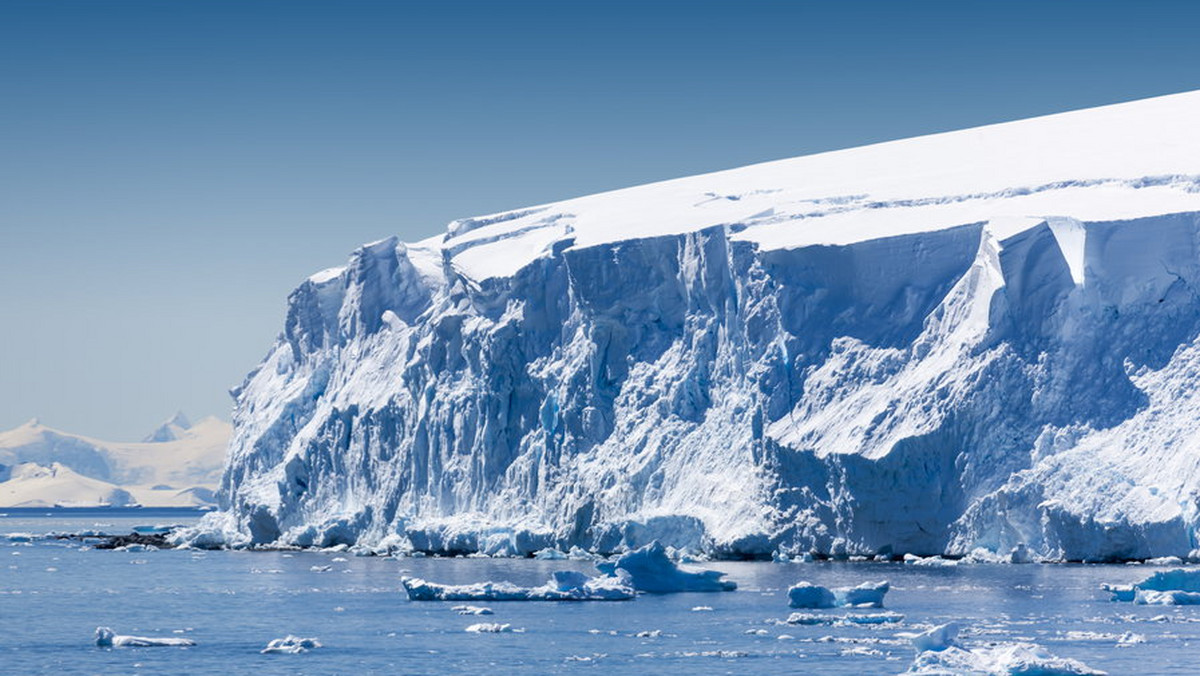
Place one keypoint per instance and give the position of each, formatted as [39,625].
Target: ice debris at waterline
[471,610]
[651,570]
[290,645]
[972,339]
[564,585]
[865,595]
[107,638]
[1177,587]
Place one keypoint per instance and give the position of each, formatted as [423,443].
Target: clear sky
[170,170]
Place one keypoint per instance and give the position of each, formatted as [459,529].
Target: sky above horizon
[169,171]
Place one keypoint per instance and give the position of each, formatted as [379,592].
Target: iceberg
[809,595]
[564,585]
[290,645]
[967,340]
[649,569]
[107,638]
[866,595]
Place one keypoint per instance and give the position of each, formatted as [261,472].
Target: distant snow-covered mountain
[179,464]
[972,339]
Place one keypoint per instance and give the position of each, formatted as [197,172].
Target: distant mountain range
[178,464]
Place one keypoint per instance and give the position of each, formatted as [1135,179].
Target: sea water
[53,594]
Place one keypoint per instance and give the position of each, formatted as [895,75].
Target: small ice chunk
[489,628]
[1120,592]
[106,638]
[321,569]
[290,645]
[1130,638]
[929,561]
[701,609]
[866,595]
[1165,561]
[550,555]
[577,553]
[936,639]
[472,610]
[1020,554]
[651,570]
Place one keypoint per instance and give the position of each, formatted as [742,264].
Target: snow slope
[182,470]
[971,339]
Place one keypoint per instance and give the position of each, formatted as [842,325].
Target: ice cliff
[972,339]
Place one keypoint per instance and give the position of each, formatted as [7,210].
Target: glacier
[982,339]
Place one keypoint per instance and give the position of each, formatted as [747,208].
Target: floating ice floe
[865,595]
[932,561]
[565,585]
[1177,587]
[938,653]
[472,610]
[107,638]
[291,645]
[1006,659]
[651,570]
[491,628]
[865,618]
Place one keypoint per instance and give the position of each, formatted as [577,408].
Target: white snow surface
[969,340]
[177,465]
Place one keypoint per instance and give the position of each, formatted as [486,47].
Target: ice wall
[756,361]
[917,393]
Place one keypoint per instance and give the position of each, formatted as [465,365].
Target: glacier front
[974,339]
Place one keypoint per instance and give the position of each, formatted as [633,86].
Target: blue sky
[169,171]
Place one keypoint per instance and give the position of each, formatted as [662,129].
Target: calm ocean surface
[53,594]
